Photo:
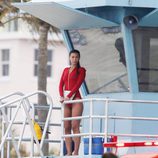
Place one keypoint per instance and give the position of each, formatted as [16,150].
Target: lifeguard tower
[118,41]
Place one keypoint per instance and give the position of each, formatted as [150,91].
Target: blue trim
[130,58]
[150,19]
[67,40]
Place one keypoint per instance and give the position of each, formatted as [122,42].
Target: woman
[71,80]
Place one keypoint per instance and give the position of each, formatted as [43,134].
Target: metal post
[22,133]
[90,128]
[62,130]
[9,111]
[8,130]
[32,140]
[3,130]
[106,122]
[31,127]
[46,124]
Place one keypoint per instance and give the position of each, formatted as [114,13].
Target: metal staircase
[16,104]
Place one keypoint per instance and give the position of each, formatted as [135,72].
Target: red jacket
[72,81]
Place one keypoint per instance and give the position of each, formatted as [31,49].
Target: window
[12,25]
[146,52]
[102,54]
[5,57]
[49,62]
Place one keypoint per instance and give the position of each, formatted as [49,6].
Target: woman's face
[74,59]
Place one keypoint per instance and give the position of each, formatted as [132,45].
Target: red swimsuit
[72,81]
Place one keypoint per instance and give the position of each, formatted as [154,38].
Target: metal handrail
[7,122]
[106,117]
[24,103]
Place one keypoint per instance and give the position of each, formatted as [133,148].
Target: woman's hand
[61,99]
[66,98]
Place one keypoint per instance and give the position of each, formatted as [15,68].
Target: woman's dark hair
[77,52]
[109,155]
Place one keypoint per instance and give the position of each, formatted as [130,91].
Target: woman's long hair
[77,52]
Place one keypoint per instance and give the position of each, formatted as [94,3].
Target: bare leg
[77,110]
[67,127]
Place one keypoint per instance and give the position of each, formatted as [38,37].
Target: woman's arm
[80,80]
[61,84]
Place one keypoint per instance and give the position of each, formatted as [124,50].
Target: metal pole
[90,128]
[106,123]
[22,133]
[32,140]
[9,111]
[46,124]
[3,130]
[62,130]
[8,130]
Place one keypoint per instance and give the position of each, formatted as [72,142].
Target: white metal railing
[91,116]
[5,118]
[23,102]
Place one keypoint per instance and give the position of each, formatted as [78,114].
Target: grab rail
[6,119]
[25,104]
[106,117]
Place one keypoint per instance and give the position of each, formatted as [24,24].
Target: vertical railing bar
[106,122]
[3,131]
[12,134]
[8,130]
[47,120]
[32,140]
[29,106]
[90,128]
[62,129]
[9,111]
[22,132]
[24,123]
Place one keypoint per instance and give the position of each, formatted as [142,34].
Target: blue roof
[67,15]
[64,17]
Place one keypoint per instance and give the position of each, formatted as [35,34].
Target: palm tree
[42,28]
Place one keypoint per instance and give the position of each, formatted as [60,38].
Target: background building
[18,60]
[18,64]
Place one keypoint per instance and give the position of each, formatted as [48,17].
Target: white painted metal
[106,134]
[25,104]
[5,121]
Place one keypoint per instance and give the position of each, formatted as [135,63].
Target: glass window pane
[49,70]
[35,70]
[36,54]
[49,57]
[15,25]
[102,54]
[5,70]
[146,49]
[5,54]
